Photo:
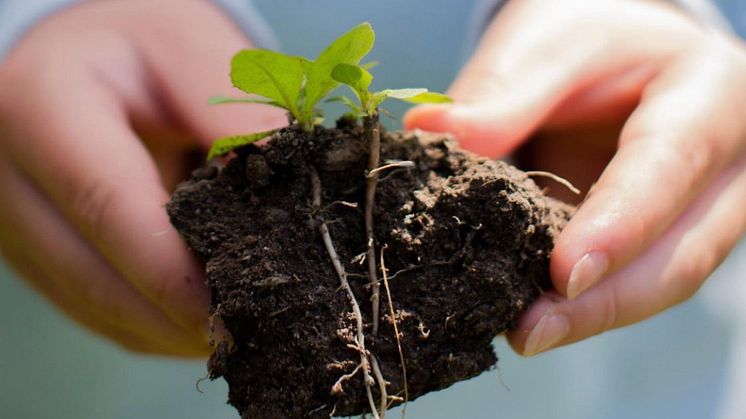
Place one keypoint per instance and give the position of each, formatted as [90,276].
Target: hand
[640,95]
[101,107]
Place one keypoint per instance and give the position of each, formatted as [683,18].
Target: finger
[665,160]
[195,66]
[126,338]
[62,265]
[104,182]
[514,84]
[668,273]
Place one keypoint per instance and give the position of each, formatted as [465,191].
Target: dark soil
[467,247]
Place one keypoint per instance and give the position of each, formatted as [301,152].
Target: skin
[643,103]
[103,104]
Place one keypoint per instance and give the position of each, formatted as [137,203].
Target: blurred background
[680,364]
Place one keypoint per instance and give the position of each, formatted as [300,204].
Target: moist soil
[467,244]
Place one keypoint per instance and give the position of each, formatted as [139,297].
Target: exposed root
[337,388]
[381,386]
[398,164]
[330,249]
[372,131]
[566,183]
[200,381]
[396,331]
[318,409]
[500,377]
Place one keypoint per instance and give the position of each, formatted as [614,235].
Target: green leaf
[416,95]
[273,75]
[219,100]
[225,145]
[358,78]
[426,97]
[349,48]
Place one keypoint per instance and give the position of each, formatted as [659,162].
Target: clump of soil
[467,243]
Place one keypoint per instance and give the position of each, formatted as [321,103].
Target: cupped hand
[102,106]
[643,103]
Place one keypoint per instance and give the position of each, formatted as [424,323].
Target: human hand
[102,106]
[585,78]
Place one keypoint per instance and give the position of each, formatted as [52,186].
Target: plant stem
[372,132]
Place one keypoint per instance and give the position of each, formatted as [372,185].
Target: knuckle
[165,287]
[687,285]
[608,314]
[695,158]
[91,204]
[697,270]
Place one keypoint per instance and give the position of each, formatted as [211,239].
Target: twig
[372,131]
[556,178]
[384,273]
[360,339]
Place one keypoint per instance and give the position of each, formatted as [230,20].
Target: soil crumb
[467,242]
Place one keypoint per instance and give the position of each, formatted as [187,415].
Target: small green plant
[298,84]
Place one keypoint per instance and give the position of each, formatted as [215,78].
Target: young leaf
[426,97]
[402,93]
[227,144]
[270,74]
[349,48]
[219,100]
[409,95]
[356,77]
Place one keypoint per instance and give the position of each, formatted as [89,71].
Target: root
[399,164]
[396,332]
[372,130]
[330,249]
[337,387]
[381,385]
[566,183]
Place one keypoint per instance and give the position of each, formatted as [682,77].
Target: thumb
[496,109]
[490,116]
[514,84]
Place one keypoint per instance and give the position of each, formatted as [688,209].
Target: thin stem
[372,130]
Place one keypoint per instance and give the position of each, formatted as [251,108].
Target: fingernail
[550,330]
[586,272]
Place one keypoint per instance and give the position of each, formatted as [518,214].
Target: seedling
[293,263]
[298,84]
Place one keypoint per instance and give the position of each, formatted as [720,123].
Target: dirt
[467,244]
